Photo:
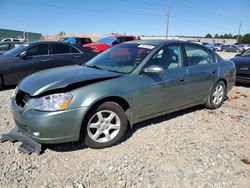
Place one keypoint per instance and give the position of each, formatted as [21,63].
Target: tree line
[242,38]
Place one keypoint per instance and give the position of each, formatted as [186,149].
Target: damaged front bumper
[28,145]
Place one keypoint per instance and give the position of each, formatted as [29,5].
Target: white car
[243,47]
[217,46]
[12,39]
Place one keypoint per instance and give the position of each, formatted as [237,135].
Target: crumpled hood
[59,78]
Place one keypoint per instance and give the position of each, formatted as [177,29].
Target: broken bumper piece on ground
[28,145]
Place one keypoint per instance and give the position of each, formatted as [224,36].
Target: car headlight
[51,103]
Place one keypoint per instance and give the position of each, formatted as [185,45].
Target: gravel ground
[191,148]
[227,55]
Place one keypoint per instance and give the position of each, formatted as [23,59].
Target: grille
[22,98]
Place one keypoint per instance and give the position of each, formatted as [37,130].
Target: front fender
[124,87]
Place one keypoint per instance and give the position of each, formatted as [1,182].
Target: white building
[193,39]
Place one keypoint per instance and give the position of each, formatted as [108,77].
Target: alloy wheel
[218,94]
[103,126]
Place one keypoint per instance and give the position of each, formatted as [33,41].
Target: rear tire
[216,95]
[104,126]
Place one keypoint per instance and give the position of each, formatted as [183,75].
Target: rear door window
[198,56]
[74,50]
[60,49]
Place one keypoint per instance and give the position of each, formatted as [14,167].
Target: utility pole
[167,19]
[239,32]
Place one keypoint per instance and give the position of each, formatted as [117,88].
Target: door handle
[214,71]
[182,79]
[77,56]
[46,60]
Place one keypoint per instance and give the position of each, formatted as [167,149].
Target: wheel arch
[220,79]
[117,99]
[223,80]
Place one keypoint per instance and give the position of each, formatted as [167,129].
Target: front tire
[105,126]
[216,95]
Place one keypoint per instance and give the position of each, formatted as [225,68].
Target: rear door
[202,70]
[37,59]
[64,54]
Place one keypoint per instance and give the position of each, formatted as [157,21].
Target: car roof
[160,42]
[47,42]
[75,37]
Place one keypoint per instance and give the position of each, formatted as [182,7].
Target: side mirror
[153,69]
[23,54]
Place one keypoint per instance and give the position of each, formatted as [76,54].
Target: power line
[187,21]
[202,12]
[189,9]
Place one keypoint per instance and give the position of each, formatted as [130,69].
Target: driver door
[165,91]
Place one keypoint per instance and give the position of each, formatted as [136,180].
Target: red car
[106,42]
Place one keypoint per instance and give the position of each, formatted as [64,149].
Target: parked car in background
[209,45]
[124,85]
[106,42]
[230,48]
[217,47]
[32,57]
[242,63]
[243,47]
[12,40]
[6,46]
[79,41]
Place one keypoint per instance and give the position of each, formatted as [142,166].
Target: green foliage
[244,39]
[62,33]
[208,35]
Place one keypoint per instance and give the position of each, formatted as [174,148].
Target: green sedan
[97,102]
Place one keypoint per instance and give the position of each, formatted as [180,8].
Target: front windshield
[246,53]
[16,49]
[123,58]
[107,40]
